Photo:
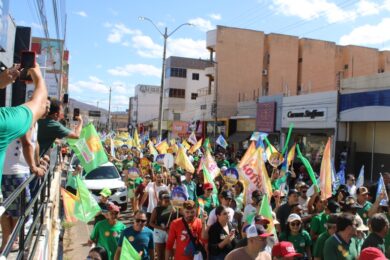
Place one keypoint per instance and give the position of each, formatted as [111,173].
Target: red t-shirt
[178,233]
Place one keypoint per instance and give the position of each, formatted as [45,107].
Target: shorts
[159,236]
[130,193]
[9,184]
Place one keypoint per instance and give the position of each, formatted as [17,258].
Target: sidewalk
[76,236]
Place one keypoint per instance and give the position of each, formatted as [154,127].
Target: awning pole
[373,149]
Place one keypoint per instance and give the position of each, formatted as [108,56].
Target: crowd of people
[217,221]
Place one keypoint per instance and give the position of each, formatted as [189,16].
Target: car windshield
[103,172]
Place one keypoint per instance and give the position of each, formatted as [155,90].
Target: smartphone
[27,61]
[76,113]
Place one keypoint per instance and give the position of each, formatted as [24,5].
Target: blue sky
[110,46]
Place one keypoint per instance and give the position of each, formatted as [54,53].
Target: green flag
[88,149]
[208,178]
[128,252]
[266,212]
[206,144]
[86,206]
[308,166]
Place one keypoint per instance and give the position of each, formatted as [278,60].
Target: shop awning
[239,137]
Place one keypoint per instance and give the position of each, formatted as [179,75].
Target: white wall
[148,101]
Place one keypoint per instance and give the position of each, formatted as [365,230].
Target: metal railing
[35,208]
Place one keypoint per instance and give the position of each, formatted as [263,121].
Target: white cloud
[37,26]
[215,16]
[202,24]
[81,13]
[146,47]
[130,69]
[313,9]
[99,66]
[118,31]
[368,34]
[366,7]
[186,47]
[93,85]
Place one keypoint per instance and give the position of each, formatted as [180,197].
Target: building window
[194,96]
[195,76]
[176,72]
[176,116]
[176,93]
[203,107]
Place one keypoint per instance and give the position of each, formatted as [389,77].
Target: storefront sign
[265,118]
[306,114]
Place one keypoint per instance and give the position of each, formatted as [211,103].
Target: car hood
[105,183]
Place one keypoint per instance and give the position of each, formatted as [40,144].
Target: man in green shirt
[341,245]
[362,200]
[50,128]
[379,227]
[191,186]
[106,233]
[318,252]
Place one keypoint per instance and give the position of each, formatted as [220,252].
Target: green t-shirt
[210,203]
[363,212]
[191,189]
[14,123]
[300,241]
[134,184]
[107,236]
[373,240]
[336,248]
[317,224]
[48,131]
[118,165]
[318,250]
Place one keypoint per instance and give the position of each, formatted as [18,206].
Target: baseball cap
[361,190]
[261,220]
[360,224]
[256,231]
[294,217]
[284,249]
[224,168]
[207,186]
[350,203]
[371,253]
[106,192]
[226,194]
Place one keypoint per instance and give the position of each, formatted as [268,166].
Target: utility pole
[109,112]
[165,35]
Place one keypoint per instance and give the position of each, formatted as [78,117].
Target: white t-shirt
[153,190]
[15,162]
[249,209]
[213,217]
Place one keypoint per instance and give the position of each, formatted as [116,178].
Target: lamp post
[165,35]
[215,64]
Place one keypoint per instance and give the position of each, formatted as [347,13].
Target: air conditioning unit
[265,72]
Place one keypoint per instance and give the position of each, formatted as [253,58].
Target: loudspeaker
[65,99]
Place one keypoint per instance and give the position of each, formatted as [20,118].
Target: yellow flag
[186,145]
[174,148]
[162,147]
[136,141]
[152,150]
[195,147]
[183,161]
[172,141]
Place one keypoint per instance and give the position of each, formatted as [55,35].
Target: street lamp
[165,35]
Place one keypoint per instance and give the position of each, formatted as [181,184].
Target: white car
[105,176]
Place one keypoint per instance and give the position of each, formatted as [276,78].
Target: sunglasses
[209,190]
[295,224]
[140,220]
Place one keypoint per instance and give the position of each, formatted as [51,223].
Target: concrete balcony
[210,71]
[211,39]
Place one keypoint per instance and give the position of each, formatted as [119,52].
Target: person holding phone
[222,235]
[50,128]
[16,121]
